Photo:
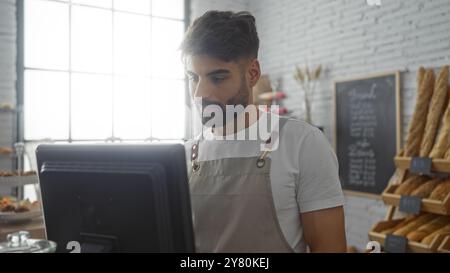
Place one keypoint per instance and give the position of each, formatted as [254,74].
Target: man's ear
[254,72]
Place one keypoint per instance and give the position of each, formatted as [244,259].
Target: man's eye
[193,78]
[217,79]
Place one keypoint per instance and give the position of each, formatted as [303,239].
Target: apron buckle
[195,166]
[260,163]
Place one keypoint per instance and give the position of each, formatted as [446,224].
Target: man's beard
[240,101]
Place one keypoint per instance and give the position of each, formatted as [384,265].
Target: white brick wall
[350,38]
[7,73]
[7,51]
[198,7]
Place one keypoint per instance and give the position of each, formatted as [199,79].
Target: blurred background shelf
[17,181]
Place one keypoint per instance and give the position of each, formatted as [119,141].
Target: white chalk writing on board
[363,124]
[362,165]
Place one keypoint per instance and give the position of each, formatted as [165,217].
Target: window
[103,69]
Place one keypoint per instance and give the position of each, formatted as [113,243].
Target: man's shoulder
[297,128]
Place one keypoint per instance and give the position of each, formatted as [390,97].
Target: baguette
[429,239]
[443,140]
[441,191]
[421,220]
[403,223]
[425,189]
[417,125]
[428,228]
[436,109]
[410,184]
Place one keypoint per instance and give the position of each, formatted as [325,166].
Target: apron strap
[274,136]
[194,156]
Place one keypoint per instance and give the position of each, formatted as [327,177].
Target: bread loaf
[420,75]
[425,189]
[428,228]
[441,191]
[416,128]
[429,238]
[436,109]
[443,140]
[413,225]
[403,223]
[410,184]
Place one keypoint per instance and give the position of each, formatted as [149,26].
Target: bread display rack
[441,206]
[445,246]
[19,180]
[418,219]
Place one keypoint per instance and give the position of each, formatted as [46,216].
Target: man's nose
[202,90]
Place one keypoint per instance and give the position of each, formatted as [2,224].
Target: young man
[245,199]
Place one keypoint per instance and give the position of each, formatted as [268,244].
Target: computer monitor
[116,198]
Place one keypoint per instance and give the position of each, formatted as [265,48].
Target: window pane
[168,8]
[46,93]
[96,3]
[168,109]
[139,6]
[166,57]
[91,40]
[132,106]
[46,34]
[91,106]
[131,44]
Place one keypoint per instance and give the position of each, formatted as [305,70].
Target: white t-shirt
[303,173]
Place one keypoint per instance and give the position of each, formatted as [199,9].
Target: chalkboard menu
[367,133]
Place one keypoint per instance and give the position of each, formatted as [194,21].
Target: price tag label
[395,244]
[410,204]
[420,165]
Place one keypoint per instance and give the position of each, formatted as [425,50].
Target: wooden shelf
[445,246]
[428,205]
[17,181]
[437,165]
[412,247]
[441,243]
[7,110]
[8,156]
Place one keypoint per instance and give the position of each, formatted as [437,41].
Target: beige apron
[232,205]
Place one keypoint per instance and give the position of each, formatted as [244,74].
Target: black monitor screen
[116,198]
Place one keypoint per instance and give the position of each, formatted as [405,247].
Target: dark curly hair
[226,35]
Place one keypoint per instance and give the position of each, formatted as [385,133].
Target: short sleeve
[318,186]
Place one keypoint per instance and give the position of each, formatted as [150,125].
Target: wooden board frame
[398,119]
